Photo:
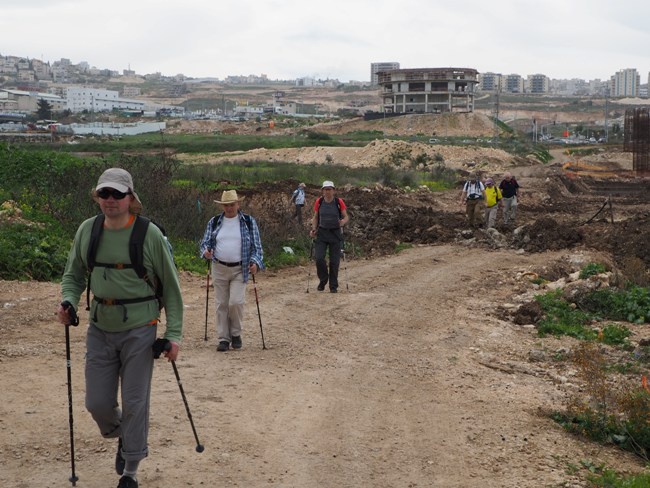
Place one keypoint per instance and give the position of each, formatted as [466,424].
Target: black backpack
[136,244]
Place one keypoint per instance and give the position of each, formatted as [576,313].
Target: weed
[610,479]
[591,269]
[606,414]
[631,305]
[560,318]
[615,335]
[401,246]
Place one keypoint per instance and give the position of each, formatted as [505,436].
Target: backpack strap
[136,245]
[95,233]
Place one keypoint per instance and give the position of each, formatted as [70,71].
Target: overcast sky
[287,39]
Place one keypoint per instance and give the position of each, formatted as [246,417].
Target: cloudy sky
[287,39]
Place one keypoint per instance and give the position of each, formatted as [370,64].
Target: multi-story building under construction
[428,90]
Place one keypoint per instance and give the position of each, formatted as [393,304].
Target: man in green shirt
[124,314]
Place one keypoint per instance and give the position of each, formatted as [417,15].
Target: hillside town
[82,88]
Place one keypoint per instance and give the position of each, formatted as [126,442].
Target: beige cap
[120,179]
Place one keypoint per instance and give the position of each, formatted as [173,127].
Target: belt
[230,265]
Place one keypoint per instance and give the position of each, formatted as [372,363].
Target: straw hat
[229,196]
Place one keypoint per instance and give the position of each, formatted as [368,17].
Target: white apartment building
[97,100]
[625,83]
[377,67]
[24,101]
[512,83]
[538,83]
[490,82]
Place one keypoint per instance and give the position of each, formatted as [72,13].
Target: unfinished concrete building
[428,90]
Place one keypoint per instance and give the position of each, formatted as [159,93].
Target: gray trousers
[509,209]
[230,297]
[125,356]
[331,239]
[491,215]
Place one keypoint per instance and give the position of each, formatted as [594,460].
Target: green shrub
[611,479]
[591,269]
[631,305]
[560,318]
[32,252]
[615,335]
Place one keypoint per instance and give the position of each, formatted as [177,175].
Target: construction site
[426,369]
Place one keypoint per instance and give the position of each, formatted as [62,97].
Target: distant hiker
[123,322]
[510,189]
[298,199]
[492,198]
[473,192]
[232,241]
[330,215]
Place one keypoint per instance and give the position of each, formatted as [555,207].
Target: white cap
[328,184]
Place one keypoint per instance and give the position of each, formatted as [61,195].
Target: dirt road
[408,379]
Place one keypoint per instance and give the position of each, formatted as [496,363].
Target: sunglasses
[104,193]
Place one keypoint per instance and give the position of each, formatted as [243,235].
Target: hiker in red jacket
[330,215]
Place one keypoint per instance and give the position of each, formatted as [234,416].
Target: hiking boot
[127,482]
[321,286]
[223,346]
[119,460]
[333,290]
[236,342]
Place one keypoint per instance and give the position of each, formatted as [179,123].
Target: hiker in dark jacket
[330,215]
[121,335]
[510,189]
[232,241]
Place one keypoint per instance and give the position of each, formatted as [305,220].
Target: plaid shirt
[251,243]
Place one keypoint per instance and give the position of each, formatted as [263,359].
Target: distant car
[433,140]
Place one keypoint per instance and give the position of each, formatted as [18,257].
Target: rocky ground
[423,371]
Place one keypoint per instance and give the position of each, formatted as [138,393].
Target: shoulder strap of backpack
[93,244]
[136,245]
[247,219]
[95,234]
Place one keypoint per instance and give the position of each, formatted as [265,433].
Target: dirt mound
[488,160]
[443,125]
[546,234]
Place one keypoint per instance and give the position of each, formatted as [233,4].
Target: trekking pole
[159,346]
[311,253]
[257,301]
[345,266]
[74,321]
[207,295]
[345,262]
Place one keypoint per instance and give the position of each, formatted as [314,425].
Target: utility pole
[606,115]
[496,118]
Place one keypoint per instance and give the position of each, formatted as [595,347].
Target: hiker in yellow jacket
[492,198]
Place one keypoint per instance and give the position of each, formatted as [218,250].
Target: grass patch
[402,246]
